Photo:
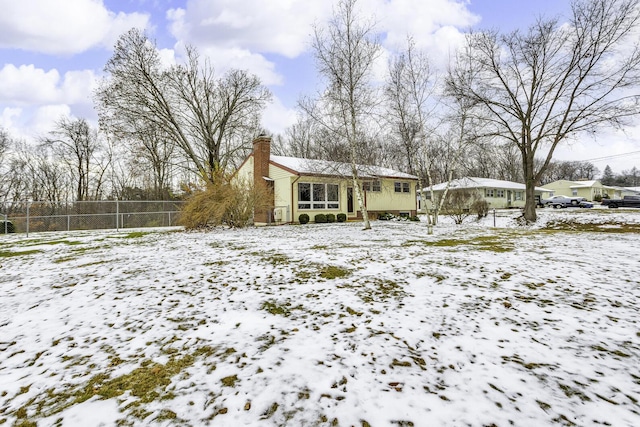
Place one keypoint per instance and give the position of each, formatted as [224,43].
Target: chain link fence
[91,215]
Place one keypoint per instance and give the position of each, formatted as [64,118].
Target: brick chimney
[261,156]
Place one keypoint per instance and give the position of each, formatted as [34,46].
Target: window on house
[489,192]
[371,186]
[332,196]
[500,193]
[518,195]
[574,192]
[318,196]
[304,196]
[401,187]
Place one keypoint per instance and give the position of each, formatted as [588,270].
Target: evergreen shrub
[320,219]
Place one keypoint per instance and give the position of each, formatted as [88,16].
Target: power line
[613,156]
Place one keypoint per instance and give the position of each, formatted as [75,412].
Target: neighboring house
[629,191]
[498,193]
[590,190]
[317,186]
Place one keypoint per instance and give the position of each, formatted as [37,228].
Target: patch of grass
[571,391]
[8,254]
[270,411]
[276,259]
[52,242]
[604,227]
[333,272]
[274,308]
[378,290]
[134,235]
[229,381]
[146,384]
[493,243]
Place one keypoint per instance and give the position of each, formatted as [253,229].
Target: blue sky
[53,51]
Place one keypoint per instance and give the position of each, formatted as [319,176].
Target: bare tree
[345,52]
[75,143]
[209,118]
[538,87]
[409,93]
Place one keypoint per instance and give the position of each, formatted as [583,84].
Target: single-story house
[499,194]
[317,186]
[631,191]
[590,190]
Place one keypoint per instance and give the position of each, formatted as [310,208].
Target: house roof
[585,184]
[329,168]
[474,182]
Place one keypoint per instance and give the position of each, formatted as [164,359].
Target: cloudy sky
[52,51]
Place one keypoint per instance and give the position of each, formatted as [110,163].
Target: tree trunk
[530,188]
[358,190]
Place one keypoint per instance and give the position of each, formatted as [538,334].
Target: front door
[350,200]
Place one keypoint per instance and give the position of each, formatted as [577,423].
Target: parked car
[625,202]
[563,201]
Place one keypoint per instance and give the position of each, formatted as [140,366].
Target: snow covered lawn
[326,325]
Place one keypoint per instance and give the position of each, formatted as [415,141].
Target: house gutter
[293,185]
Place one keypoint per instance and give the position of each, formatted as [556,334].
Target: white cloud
[243,59]
[276,117]
[62,27]
[28,85]
[9,120]
[43,120]
[277,26]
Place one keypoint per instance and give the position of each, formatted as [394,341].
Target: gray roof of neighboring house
[473,182]
[328,168]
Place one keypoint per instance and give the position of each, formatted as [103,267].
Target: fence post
[117,214]
[68,221]
[27,218]
[6,226]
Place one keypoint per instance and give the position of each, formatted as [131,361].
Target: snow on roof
[325,167]
[589,183]
[474,182]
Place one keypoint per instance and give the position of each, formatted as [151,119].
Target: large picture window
[318,196]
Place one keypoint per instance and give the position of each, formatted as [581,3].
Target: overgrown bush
[597,198]
[320,218]
[341,217]
[458,204]
[386,216]
[225,201]
[480,207]
[303,218]
[414,218]
[331,217]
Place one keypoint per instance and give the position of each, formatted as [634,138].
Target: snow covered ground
[326,324]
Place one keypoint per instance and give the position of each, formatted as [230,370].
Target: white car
[563,201]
